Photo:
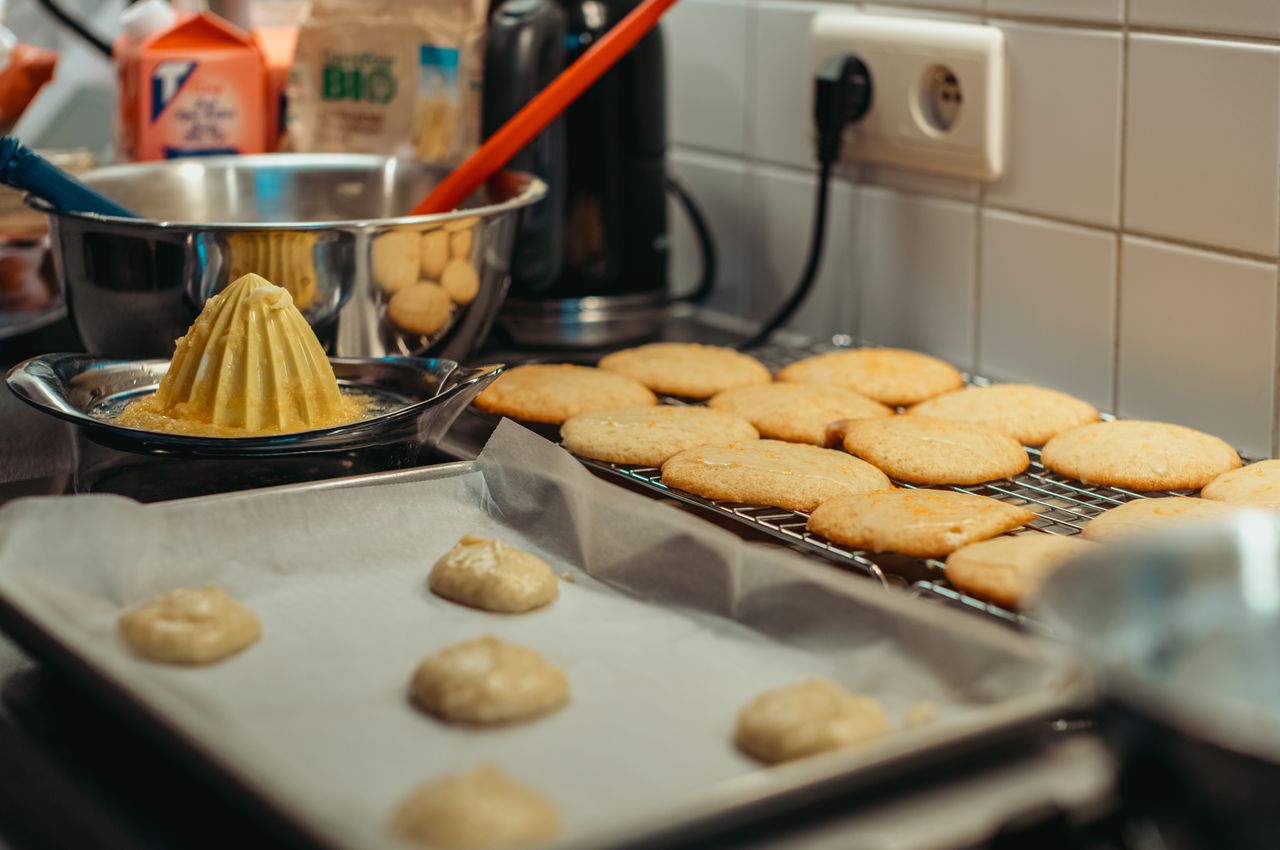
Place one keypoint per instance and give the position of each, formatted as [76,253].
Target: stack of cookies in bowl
[878,447]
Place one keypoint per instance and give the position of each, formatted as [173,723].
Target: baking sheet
[671,626]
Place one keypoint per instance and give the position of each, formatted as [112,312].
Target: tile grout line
[979,210]
[990,206]
[747,287]
[1079,23]
[1275,363]
[1120,211]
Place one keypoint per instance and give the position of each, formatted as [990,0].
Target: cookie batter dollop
[482,810]
[806,718]
[493,576]
[488,681]
[190,626]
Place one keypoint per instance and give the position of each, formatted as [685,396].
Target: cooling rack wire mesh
[1062,506]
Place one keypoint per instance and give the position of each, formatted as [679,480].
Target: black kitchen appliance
[590,265]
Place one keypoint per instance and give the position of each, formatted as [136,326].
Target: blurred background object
[76,109]
[31,295]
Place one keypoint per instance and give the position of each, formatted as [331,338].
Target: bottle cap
[145,17]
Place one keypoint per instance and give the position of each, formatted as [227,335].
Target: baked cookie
[1139,455]
[482,810]
[492,576]
[555,391]
[809,717]
[1008,570]
[888,375]
[422,309]
[687,369]
[487,681]
[921,523]
[460,280]
[433,253]
[461,236]
[793,476]
[190,625]
[1256,484]
[393,260]
[797,413]
[921,450]
[1143,515]
[648,436]
[1031,415]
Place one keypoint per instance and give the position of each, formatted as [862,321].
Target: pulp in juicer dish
[249,365]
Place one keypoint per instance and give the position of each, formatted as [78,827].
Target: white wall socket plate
[937,91]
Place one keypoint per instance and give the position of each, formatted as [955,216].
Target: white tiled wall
[1128,254]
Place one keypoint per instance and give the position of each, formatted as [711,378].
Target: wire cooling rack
[1062,506]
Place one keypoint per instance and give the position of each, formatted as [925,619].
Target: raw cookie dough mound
[487,681]
[554,392]
[797,413]
[1029,414]
[492,576]
[793,476]
[1139,455]
[888,375]
[1143,515]
[1008,570]
[1256,484]
[807,718]
[190,626]
[687,369]
[921,523]
[922,450]
[648,436]
[482,810]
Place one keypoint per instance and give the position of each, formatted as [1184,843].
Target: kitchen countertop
[76,776]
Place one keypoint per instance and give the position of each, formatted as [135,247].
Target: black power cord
[706,245]
[61,15]
[842,96]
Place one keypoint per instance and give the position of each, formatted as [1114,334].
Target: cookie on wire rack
[922,450]
[920,523]
[795,412]
[792,476]
[687,369]
[648,436]
[1139,455]
[1029,414]
[1255,484]
[1143,515]
[892,376]
[552,392]
[1009,570]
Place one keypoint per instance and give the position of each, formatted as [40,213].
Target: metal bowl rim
[300,439]
[535,189]
[1176,706]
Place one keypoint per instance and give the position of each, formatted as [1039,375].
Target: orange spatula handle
[534,117]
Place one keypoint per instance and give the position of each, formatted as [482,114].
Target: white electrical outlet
[937,91]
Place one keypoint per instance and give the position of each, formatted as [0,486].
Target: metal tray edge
[808,782]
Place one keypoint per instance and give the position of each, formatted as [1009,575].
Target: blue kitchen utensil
[22,168]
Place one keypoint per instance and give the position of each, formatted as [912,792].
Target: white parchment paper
[671,626]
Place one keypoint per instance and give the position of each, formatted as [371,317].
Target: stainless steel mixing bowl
[325,226]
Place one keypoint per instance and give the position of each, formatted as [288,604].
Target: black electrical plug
[841,96]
